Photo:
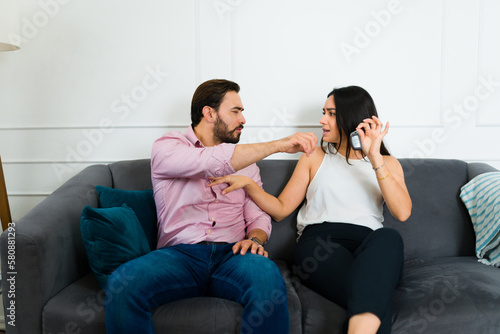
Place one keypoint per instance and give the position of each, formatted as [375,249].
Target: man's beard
[222,134]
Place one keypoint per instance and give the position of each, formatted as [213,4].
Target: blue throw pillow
[111,236]
[141,201]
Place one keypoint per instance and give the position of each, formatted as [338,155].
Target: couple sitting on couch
[211,238]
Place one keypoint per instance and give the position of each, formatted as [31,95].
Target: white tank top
[342,193]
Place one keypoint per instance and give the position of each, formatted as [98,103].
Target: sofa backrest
[275,175]
[439,224]
[131,174]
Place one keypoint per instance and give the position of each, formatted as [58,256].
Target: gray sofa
[444,288]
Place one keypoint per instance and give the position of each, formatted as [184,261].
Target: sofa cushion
[439,295]
[141,201]
[481,196]
[81,306]
[111,236]
[447,295]
[78,308]
[319,315]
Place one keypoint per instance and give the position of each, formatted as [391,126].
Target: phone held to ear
[355,140]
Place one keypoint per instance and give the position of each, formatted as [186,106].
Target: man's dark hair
[210,93]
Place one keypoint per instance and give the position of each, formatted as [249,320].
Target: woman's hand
[371,135]
[235,182]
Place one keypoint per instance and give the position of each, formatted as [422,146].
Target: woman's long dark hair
[353,104]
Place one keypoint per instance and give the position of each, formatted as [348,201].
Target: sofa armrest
[49,251]
[476,168]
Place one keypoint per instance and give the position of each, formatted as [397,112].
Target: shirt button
[209,231]
[212,219]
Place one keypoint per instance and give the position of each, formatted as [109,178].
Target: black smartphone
[355,140]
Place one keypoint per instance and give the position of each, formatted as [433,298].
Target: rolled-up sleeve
[254,216]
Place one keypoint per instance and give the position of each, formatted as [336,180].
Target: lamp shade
[9,25]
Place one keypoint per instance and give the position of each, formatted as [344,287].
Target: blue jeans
[184,271]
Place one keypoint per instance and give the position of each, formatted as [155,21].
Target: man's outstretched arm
[247,154]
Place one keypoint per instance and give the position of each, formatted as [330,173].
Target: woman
[344,191]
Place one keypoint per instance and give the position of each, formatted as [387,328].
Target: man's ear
[208,114]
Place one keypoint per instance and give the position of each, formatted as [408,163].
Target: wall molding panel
[95,87]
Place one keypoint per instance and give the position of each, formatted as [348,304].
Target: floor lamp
[9,41]
[4,201]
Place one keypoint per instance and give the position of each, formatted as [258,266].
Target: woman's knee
[390,237]
[391,247]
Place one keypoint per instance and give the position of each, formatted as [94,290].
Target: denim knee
[264,273]
[118,282]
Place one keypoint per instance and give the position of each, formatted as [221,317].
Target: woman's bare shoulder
[393,163]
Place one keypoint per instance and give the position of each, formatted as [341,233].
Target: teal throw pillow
[112,236]
[141,201]
[481,196]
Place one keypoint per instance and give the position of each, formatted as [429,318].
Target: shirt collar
[191,136]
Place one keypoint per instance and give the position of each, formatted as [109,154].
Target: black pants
[353,266]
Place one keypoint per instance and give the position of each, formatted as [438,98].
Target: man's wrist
[257,241]
[270,147]
[277,147]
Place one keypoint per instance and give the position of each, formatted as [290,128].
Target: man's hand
[298,142]
[248,245]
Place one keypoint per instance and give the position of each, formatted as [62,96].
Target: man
[209,244]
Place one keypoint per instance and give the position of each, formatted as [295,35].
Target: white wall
[99,81]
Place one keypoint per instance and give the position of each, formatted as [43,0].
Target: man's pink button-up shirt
[188,210]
